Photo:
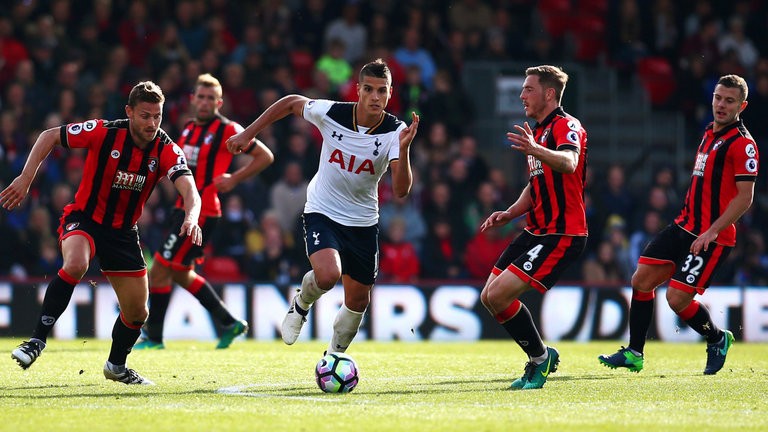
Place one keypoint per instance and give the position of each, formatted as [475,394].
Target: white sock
[542,358]
[117,369]
[345,328]
[310,292]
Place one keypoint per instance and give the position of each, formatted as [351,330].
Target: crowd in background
[65,61]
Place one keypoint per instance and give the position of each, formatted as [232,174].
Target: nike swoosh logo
[545,373]
[723,351]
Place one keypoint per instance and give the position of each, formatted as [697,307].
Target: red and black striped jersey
[118,176]
[207,156]
[722,159]
[557,199]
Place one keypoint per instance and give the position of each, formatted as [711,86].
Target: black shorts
[119,251]
[357,246]
[178,252]
[540,260]
[692,273]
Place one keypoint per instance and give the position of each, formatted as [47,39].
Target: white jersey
[352,161]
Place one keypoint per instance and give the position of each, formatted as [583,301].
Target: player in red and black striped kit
[556,231]
[125,160]
[690,250]
[203,141]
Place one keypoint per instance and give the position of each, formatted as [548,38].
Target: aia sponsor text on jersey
[366,165]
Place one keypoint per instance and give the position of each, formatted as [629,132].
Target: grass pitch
[403,387]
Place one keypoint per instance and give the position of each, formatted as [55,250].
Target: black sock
[57,297]
[158,306]
[702,323]
[212,302]
[123,338]
[640,316]
[524,332]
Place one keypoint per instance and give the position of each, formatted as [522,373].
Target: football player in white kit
[360,141]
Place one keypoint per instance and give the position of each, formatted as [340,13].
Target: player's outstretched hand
[408,134]
[224,183]
[522,141]
[238,142]
[12,196]
[192,229]
[496,218]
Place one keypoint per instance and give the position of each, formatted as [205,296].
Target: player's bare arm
[186,186]
[738,205]
[402,175]
[503,217]
[563,161]
[291,104]
[12,196]
[262,157]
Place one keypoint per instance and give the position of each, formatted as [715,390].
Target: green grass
[403,387]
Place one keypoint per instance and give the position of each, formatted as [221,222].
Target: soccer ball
[336,373]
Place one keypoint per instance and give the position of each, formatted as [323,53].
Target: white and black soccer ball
[336,373]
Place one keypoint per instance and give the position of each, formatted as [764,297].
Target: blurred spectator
[230,234]
[602,267]
[485,202]
[703,44]
[612,198]
[482,251]
[192,32]
[169,49]
[288,196]
[240,101]
[334,65]
[403,208]
[399,261]
[274,262]
[449,104]
[735,39]
[442,252]
[411,53]
[467,15]
[349,29]
[652,224]
[309,24]
[137,33]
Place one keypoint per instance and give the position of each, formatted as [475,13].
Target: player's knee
[642,284]
[327,279]
[76,268]
[357,303]
[676,301]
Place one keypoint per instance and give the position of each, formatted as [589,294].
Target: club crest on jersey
[128,180]
[208,139]
[377,144]
[152,164]
[337,157]
[718,143]
[71,226]
[544,136]
[115,154]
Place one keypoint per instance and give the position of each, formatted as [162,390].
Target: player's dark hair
[145,91]
[377,69]
[735,81]
[550,77]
